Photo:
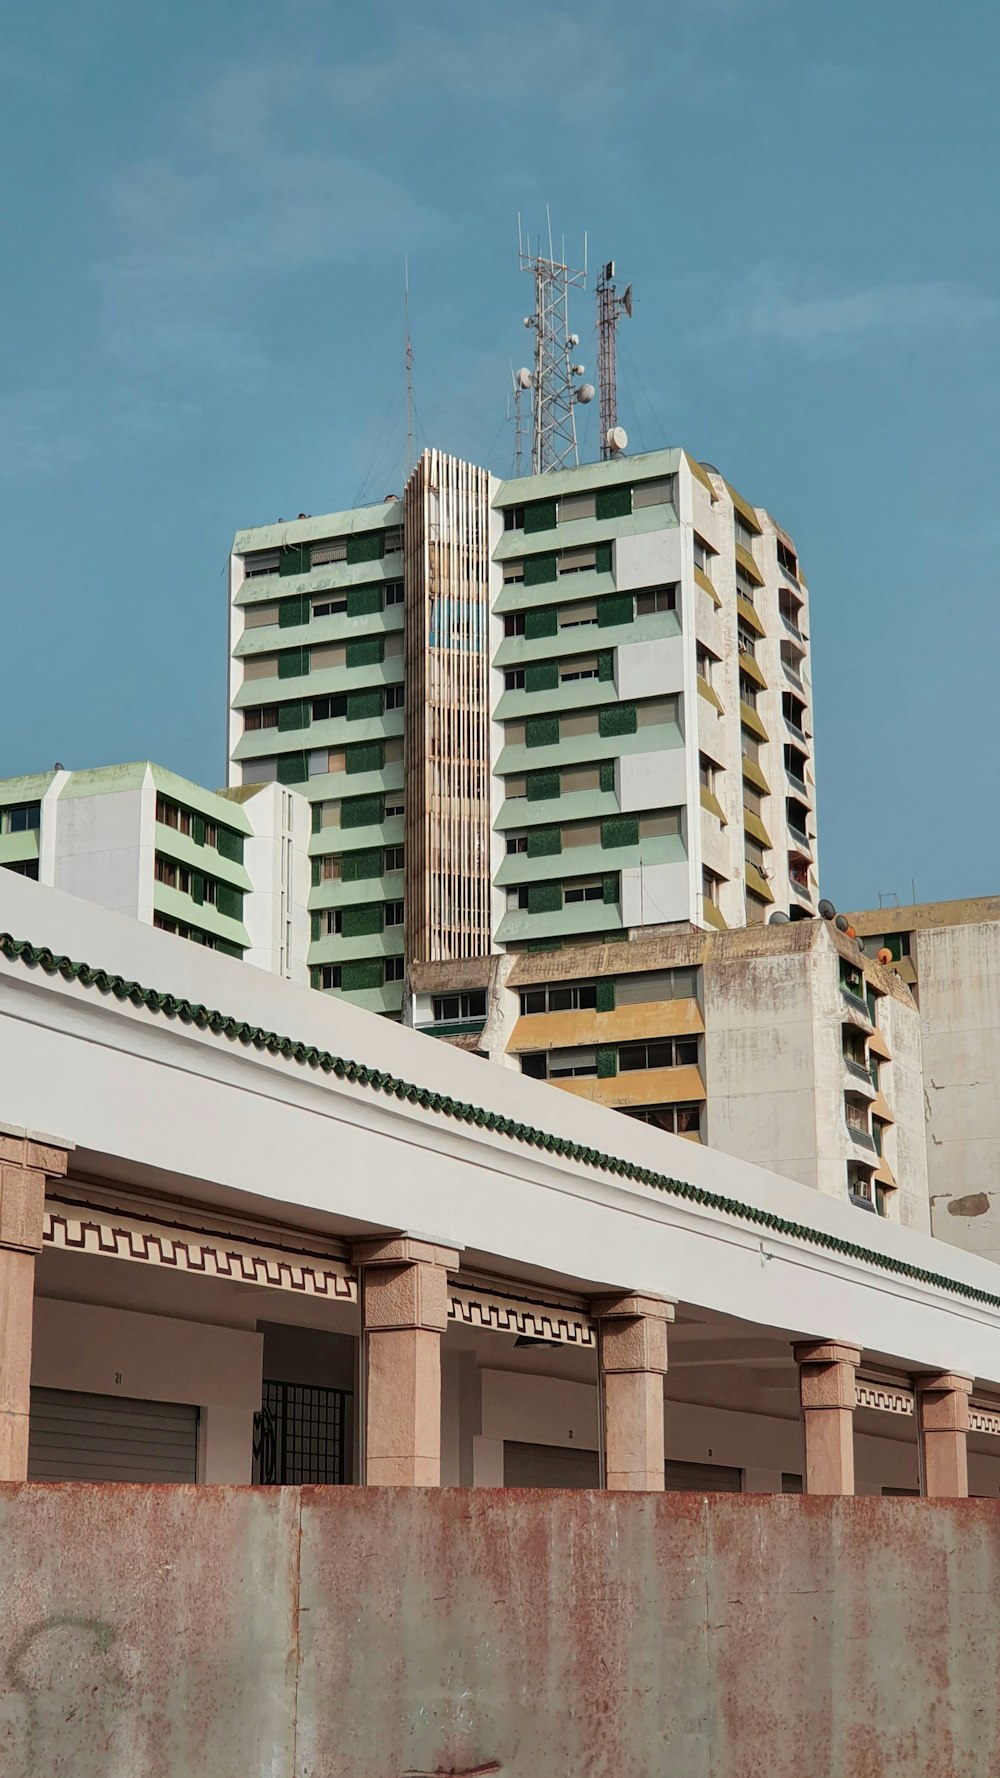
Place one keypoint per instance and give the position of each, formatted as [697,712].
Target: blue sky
[205,215]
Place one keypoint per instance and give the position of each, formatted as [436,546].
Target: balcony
[862,1137]
[796,783]
[791,675]
[858,1069]
[802,840]
[794,729]
[792,627]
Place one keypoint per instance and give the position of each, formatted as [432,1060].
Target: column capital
[405,1250]
[826,1352]
[943,1382]
[633,1304]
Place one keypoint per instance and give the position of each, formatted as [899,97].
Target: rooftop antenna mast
[408,358]
[610,308]
[521,381]
[555,392]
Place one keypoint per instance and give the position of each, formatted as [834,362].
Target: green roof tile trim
[204,1018]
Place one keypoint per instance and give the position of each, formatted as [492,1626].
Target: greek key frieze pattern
[885,1398]
[536,1321]
[984,1420]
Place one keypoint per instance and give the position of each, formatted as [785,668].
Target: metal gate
[302,1434]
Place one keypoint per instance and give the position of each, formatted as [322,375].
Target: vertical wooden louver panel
[446,519]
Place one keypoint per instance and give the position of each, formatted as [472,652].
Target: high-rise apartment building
[227,869]
[607,720]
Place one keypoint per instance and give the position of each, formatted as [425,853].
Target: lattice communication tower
[610,308]
[554,389]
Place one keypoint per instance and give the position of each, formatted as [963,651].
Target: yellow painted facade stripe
[705,691]
[757,884]
[749,615]
[751,720]
[650,1086]
[744,509]
[753,824]
[753,775]
[702,580]
[586,1028]
[713,805]
[748,565]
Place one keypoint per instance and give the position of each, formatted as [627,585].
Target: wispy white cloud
[769,309]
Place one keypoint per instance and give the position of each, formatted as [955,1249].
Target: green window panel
[295,559]
[611,883]
[538,570]
[367,972]
[357,867]
[198,829]
[229,845]
[618,608]
[315,979]
[607,1063]
[606,664]
[292,612]
[229,901]
[364,601]
[293,768]
[362,922]
[367,756]
[314,931]
[364,704]
[617,719]
[540,515]
[369,547]
[541,731]
[294,714]
[620,830]
[317,818]
[542,676]
[293,663]
[362,811]
[542,621]
[613,503]
[227,948]
[542,785]
[606,994]
[545,898]
[544,944]
[544,842]
[317,864]
[607,774]
[366,651]
[197,887]
[603,563]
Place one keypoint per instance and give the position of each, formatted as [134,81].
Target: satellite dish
[777,918]
[627,299]
[617,438]
[826,908]
[842,923]
[586,392]
[523,378]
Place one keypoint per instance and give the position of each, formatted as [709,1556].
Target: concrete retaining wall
[314,1633]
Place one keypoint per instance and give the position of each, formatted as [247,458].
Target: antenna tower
[554,391]
[610,308]
[408,359]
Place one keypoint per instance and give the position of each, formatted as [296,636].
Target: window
[513,573]
[659,824]
[329,869]
[330,605]
[517,842]
[710,886]
[515,788]
[859,1182]
[706,663]
[392,644]
[851,979]
[791,660]
[329,975]
[517,899]
[791,610]
[262,716]
[577,561]
[513,623]
[585,889]
[656,984]
[855,1046]
[21,818]
[788,560]
[753,852]
[394,913]
[23,867]
[753,802]
[680,1120]
[748,692]
[579,722]
[857,1115]
[513,679]
[745,537]
[571,1064]
[795,763]
[578,616]
[395,970]
[171,875]
[450,1007]
[260,666]
[581,778]
[393,809]
[394,750]
[746,641]
[653,493]
[749,746]
[513,518]
[657,711]
[584,666]
[706,771]
[395,592]
[576,506]
[793,710]
[395,697]
[703,554]
[393,858]
[560,997]
[513,734]
[394,540]
[331,549]
[660,1052]
[581,833]
[325,709]
[535,1065]
[653,599]
[262,561]
[256,616]
[798,816]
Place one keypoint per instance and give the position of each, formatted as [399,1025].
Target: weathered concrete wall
[314,1633]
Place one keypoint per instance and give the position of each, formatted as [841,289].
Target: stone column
[943,1410]
[632,1353]
[827,1393]
[404,1312]
[24,1167]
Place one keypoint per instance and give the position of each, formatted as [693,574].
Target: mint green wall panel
[620,830]
[540,569]
[293,768]
[362,811]
[545,898]
[540,515]
[367,972]
[617,719]
[366,651]
[541,676]
[607,1063]
[606,994]
[544,842]
[541,785]
[294,714]
[357,866]
[363,705]
[613,503]
[543,621]
[369,547]
[617,608]
[541,731]
[293,663]
[367,756]
[364,601]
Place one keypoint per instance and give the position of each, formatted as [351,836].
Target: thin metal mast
[408,358]
[554,392]
[610,307]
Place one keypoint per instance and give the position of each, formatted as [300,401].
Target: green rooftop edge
[255,1037]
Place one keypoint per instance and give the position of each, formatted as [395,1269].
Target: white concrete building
[230,1214]
[228,869]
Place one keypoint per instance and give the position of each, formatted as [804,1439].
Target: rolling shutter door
[702,1478]
[548,1466]
[109,1438]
